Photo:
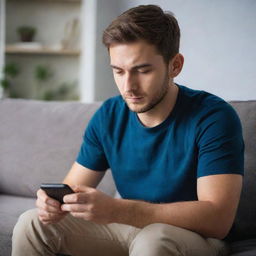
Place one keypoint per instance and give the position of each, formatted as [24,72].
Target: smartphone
[56,190]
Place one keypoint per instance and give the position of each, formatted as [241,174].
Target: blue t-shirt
[201,136]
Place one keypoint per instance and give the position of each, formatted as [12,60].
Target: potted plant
[10,71]
[43,76]
[26,33]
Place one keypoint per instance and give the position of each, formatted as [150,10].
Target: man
[176,156]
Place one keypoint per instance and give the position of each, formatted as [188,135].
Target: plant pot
[26,33]
[26,37]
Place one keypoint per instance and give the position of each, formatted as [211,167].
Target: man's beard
[155,101]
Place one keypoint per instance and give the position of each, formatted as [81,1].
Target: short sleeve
[91,153]
[220,142]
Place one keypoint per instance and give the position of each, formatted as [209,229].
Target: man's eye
[144,71]
[117,71]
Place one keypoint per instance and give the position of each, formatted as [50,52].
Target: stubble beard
[155,101]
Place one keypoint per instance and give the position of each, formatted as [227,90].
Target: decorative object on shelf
[10,71]
[71,34]
[26,33]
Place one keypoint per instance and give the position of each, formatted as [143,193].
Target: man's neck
[161,111]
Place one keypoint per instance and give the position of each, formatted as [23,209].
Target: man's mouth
[134,99]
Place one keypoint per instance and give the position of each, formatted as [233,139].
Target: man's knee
[30,234]
[25,221]
[155,239]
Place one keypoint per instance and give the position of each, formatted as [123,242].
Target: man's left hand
[90,204]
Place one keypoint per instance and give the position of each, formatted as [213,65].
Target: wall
[88,50]
[2,39]
[218,42]
[104,84]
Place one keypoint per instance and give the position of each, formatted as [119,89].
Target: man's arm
[80,175]
[211,216]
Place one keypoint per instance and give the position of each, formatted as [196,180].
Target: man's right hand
[49,209]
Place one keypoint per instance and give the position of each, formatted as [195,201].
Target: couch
[40,140]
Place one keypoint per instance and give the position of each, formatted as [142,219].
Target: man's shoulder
[202,102]
[201,108]
[200,98]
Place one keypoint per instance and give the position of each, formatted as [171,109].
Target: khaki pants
[78,237]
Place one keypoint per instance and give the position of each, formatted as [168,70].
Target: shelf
[42,51]
[68,1]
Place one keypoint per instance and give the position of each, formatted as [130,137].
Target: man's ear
[175,65]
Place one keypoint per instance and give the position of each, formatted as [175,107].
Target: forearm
[80,175]
[202,217]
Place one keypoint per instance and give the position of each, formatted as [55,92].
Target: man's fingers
[75,207]
[46,199]
[47,208]
[82,188]
[47,204]
[76,198]
[80,215]
[49,217]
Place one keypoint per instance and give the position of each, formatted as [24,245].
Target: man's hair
[149,23]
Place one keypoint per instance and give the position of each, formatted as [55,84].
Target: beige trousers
[77,237]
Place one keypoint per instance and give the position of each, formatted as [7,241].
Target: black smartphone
[56,190]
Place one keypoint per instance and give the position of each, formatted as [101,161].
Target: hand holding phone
[56,190]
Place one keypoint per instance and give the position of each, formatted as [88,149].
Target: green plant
[47,90]
[43,73]
[26,33]
[10,71]
[65,91]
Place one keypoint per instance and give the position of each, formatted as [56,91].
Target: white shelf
[43,51]
[67,1]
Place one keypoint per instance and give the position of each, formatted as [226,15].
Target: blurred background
[52,49]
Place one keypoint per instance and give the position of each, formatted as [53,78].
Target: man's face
[140,73]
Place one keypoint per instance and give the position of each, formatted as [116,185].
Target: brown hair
[149,23]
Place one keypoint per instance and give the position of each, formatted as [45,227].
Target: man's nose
[129,83]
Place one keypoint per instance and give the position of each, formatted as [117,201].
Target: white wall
[88,50]
[96,79]
[218,40]
[2,39]
[104,83]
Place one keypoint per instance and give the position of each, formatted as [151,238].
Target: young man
[176,156]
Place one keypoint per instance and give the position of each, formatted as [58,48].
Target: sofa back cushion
[39,141]
[245,223]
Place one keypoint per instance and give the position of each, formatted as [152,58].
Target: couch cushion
[245,223]
[243,248]
[10,210]
[39,142]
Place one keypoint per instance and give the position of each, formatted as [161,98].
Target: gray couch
[39,141]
